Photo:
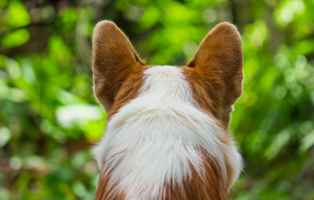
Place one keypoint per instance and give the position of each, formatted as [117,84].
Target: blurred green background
[49,118]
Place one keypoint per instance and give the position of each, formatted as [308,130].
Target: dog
[167,132]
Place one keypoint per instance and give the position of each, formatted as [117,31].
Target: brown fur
[114,61]
[129,90]
[209,186]
[215,77]
[105,193]
[215,72]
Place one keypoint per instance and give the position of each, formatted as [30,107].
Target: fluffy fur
[167,137]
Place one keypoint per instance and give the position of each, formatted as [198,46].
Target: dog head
[167,110]
[215,73]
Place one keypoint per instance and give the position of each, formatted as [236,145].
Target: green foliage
[49,118]
[16,38]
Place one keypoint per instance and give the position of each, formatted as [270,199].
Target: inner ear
[218,64]
[114,60]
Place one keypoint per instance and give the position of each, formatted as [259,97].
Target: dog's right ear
[218,63]
[114,59]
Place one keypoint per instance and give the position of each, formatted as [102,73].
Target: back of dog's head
[167,132]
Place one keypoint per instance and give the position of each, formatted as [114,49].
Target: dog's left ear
[114,60]
[218,63]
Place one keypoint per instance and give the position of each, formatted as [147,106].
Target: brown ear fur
[114,59]
[218,67]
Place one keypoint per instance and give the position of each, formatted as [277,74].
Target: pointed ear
[218,62]
[114,59]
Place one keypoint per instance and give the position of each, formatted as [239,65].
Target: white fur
[151,140]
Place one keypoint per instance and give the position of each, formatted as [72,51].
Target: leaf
[18,15]
[16,38]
